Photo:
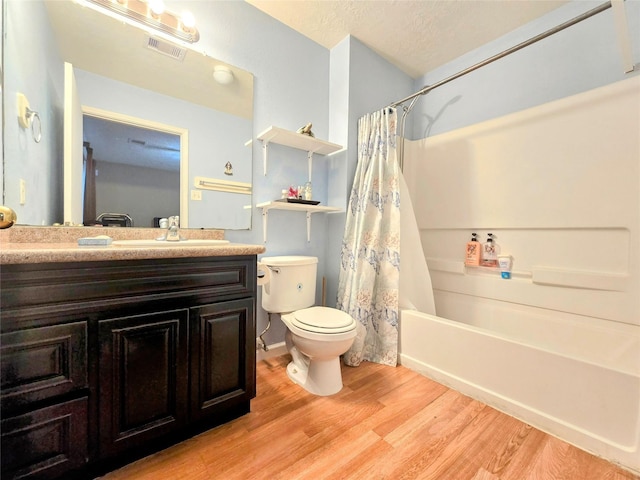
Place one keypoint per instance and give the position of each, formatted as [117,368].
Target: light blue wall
[39,76]
[579,58]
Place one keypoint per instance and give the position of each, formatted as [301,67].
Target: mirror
[129,72]
[130,168]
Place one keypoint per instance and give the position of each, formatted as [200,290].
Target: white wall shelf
[291,139]
[308,209]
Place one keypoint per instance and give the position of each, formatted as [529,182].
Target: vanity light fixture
[223,75]
[152,13]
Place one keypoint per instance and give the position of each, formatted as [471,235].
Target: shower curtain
[370,257]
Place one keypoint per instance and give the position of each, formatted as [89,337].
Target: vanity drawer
[45,443]
[40,363]
[32,290]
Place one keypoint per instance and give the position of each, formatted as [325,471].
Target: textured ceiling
[415,35]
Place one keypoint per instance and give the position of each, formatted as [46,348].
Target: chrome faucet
[173,233]
[172,224]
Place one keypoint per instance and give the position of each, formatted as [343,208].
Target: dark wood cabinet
[106,361]
[143,378]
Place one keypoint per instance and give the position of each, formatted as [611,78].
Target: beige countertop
[59,244]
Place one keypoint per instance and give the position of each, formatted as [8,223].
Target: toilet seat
[323,320]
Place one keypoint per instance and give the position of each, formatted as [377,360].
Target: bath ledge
[459,267]
[541,275]
[616,282]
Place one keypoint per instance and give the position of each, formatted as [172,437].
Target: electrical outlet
[23,192]
[196,195]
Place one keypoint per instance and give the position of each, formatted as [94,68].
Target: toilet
[316,336]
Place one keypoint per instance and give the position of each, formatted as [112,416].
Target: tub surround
[60,244]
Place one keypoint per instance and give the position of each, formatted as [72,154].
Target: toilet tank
[291,284]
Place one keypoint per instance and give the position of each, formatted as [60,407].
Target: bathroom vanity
[120,352]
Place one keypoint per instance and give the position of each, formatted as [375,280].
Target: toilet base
[320,377]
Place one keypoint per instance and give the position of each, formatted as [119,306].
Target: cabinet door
[45,443]
[143,378]
[223,357]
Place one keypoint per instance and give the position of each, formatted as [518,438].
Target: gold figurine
[306,130]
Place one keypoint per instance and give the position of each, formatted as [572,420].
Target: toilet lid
[323,320]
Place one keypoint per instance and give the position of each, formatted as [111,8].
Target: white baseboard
[275,350]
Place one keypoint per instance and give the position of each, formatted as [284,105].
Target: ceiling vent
[166,48]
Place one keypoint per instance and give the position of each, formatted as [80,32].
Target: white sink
[193,242]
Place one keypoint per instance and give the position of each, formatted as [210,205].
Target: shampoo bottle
[472,256]
[490,252]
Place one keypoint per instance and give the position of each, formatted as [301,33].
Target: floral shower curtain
[370,257]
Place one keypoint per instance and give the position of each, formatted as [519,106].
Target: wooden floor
[386,423]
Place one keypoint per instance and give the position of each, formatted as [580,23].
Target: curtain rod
[498,56]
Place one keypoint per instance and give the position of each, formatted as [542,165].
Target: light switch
[23,192]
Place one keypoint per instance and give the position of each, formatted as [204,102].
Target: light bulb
[188,20]
[156,6]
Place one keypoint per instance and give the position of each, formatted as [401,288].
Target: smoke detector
[223,75]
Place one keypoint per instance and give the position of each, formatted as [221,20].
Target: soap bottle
[490,252]
[472,256]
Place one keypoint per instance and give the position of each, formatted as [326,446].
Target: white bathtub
[589,397]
